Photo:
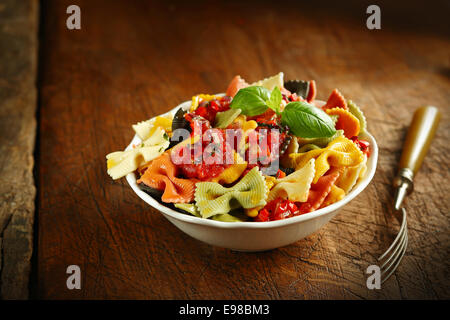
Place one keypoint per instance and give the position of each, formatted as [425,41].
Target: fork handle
[423,127]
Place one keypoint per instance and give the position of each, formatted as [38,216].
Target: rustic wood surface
[134,60]
[18,98]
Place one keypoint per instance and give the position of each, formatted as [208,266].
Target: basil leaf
[251,100]
[275,100]
[307,121]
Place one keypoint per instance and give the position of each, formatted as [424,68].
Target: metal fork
[392,257]
[418,139]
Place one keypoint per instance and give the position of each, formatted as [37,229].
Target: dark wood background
[135,59]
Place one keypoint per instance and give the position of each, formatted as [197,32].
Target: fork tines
[392,257]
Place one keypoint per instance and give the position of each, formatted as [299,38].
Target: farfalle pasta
[146,129]
[319,142]
[212,198]
[121,163]
[295,186]
[346,121]
[349,175]
[267,150]
[318,192]
[230,174]
[354,109]
[333,196]
[340,152]
[161,174]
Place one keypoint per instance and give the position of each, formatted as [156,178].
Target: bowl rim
[168,212]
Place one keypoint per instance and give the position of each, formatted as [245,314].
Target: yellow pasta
[271,82]
[230,174]
[249,126]
[145,129]
[121,163]
[335,195]
[295,186]
[298,160]
[350,175]
[200,97]
[341,152]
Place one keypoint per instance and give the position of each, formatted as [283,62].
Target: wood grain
[131,61]
[18,97]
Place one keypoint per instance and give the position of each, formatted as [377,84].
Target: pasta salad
[263,151]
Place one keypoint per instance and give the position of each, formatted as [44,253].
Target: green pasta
[356,111]
[334,117]
[230,217]
[320,142]
[224,119]
[189,208]
[308,147]
[212,198]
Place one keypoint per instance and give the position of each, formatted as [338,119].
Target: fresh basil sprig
[275,100]
[255,100]
[303,119]
[307,121]
[251,100]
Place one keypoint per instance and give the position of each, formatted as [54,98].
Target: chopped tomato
[280,174]
[225,102]
[363,145]
[278,209]
[262,216]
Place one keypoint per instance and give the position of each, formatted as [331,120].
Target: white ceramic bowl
[255,236]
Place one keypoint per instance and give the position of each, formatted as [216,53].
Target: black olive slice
[288,171]
[179,122]
[285,145]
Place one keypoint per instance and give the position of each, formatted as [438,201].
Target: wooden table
[18,104]
[133,60]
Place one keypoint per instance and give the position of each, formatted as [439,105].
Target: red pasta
[312,91]
[319,192]
[336,99]
[161,175]
[235,85]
